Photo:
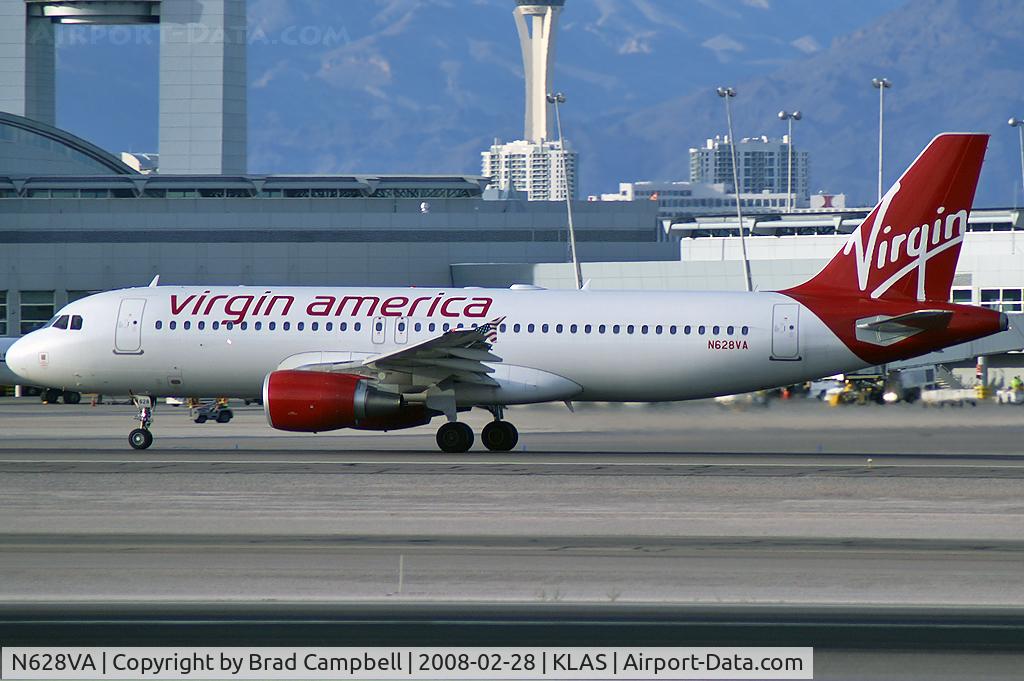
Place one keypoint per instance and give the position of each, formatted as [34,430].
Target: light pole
[880,84]
[557,98]
[1019,124]
[728,93]
[789,117]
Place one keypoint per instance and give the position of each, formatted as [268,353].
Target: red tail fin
[907,248]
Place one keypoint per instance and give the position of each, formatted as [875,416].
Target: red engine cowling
[315,401]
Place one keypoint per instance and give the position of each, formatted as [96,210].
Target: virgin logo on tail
[908,246]
[914,247]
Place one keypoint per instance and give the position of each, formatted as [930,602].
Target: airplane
[390,358]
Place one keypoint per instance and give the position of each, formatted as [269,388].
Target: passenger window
[530,328]
[601,329]
[173,325]
[544,328]
[573,328]
[357,326]
[286,326]
[715,329]
[229,325]
[401,326]
[516,328]
[418,326]
[343,326]
[701,329]
[61,322]
[446,327]
[271,326]
[215,326]
[615,329]
[315,326]
[245,325]
[379,326]
[587,328]
[630,329]
[187,325]
[729,330]
[202,325]
[686,329]
[329,326]
[159,325]
[644,329]
[259,325]
[300,326]
[744,330]
[432,327]
[658,329]
[559,328]
[672,329]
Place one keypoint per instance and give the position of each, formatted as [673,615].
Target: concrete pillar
[203,87]
[27,63]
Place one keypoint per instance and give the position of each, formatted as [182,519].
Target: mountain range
[423,86]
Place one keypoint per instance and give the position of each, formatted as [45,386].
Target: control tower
[202,71]
[536,21]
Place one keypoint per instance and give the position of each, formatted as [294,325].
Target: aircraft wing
[457,355]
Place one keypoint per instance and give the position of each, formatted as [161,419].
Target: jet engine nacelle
[315,401]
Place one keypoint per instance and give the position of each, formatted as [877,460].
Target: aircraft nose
[24,356]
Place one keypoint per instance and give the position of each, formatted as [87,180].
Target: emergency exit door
[128,334]
[786,331]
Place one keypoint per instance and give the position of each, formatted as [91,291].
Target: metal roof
[116,165]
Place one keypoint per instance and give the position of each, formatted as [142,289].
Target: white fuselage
[580,345]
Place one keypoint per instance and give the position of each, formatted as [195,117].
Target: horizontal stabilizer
[885,330]
[919,320]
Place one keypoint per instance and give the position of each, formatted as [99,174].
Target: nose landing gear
[141,438]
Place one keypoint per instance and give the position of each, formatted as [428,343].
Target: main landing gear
[141,438]
[51,395]
[498,435]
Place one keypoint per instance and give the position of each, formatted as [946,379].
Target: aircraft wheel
[224,416]
[140,438]
[455,438]
[51,395]
[200,419]
[499,436]
[72,397]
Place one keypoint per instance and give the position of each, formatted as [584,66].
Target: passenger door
[128,334]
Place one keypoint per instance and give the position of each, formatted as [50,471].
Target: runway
[861,513]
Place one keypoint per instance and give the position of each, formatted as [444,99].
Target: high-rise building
[536,165]
[534,168]
[763,166]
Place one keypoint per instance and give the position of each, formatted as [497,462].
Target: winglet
[155,282]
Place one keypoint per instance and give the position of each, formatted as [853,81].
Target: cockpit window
[76,323]
[60,322]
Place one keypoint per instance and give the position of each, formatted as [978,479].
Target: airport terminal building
[74,219]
